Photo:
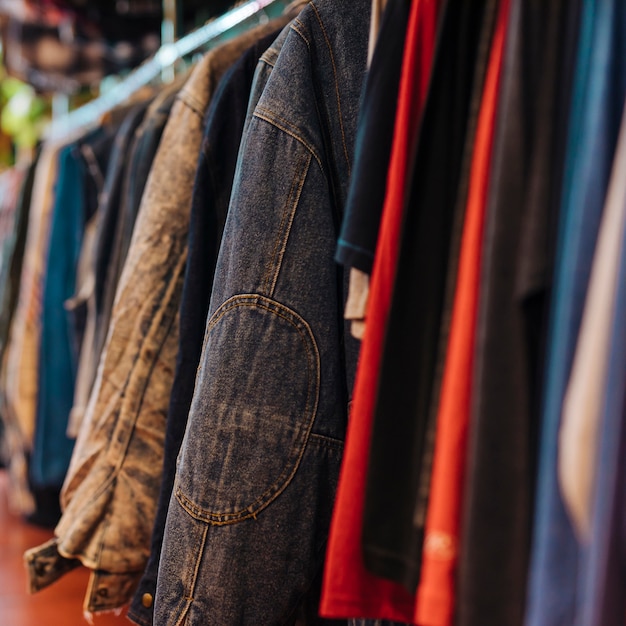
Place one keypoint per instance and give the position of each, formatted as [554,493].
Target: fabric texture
[515,287]
[349,589]
[583,400]
[458,221]
[15,189]
[601,583]
[15,444]
[52,448]
[392,544]
[436,596]
[598,97]
[13,249]
[377,10]
[211,194]
[110,493]
[377,115]
[96,253]
[257,472]
[359,229]
[23,347]
[80,181]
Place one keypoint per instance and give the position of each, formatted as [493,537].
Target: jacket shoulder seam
[284,125]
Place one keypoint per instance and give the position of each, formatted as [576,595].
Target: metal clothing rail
[165,56]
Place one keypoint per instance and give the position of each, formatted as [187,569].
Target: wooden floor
[59,604]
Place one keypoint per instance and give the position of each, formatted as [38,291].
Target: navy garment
[526,172]
[598,98]
[211,194]
[391,543]
[377,116]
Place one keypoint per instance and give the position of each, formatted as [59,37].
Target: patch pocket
[253,409]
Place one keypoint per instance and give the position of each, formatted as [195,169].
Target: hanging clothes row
[399,225]
[473,490]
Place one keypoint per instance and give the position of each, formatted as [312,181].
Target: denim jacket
[257,472]
[110,493]
[211,194]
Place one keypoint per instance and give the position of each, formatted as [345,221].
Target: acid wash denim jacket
[110,493]
[257,472]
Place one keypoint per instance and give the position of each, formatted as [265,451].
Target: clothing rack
[165,57]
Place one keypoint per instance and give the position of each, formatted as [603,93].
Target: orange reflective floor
[59,604]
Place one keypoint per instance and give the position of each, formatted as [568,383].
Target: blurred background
[58,54]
